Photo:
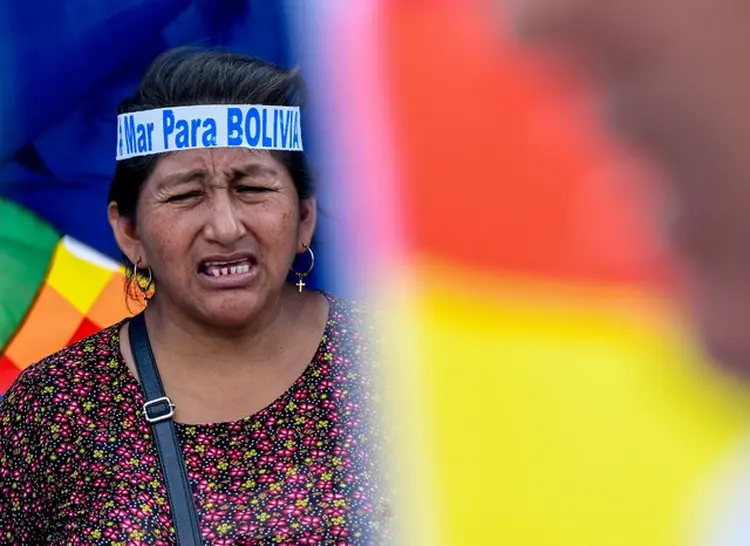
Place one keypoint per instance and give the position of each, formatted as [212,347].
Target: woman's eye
[184,196]
[251,189]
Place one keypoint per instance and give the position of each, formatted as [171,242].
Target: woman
[269,383]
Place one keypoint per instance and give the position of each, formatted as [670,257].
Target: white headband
[208,126]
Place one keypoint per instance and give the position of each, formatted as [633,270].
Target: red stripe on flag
[8,373]
[85,329]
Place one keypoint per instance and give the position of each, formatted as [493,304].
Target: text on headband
[208,126]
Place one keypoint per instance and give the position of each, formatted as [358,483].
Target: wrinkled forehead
[219,163]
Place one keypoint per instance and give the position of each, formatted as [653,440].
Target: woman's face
[219,230]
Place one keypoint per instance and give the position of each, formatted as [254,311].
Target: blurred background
[544,388]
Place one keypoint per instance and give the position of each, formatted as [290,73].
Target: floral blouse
[78,463]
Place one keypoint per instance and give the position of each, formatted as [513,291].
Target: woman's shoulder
[357,315]
[352,331]
[351,308]
[62,370]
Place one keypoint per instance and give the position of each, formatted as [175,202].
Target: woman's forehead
[214,159]
[221,162]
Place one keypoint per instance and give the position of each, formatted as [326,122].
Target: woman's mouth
[225,269]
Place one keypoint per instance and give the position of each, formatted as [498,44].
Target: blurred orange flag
[546,392]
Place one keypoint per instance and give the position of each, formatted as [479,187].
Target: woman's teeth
[225,270]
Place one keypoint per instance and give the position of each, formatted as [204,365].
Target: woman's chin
[236,312]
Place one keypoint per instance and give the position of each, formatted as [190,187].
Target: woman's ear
[308,215]
[123,228]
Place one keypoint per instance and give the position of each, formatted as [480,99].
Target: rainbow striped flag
[56,290]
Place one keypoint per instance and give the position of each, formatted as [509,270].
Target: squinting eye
[251,189]
[184,196]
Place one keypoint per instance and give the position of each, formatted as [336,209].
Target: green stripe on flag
[27,244]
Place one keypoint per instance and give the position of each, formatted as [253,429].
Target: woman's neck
[180,338]
[214,378]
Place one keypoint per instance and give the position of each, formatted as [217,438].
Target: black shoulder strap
[158,410]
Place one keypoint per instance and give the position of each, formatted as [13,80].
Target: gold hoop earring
[300,284]
[145,289]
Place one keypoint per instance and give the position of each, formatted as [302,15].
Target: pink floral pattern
[78,464]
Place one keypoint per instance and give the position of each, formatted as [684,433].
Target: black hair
[188,76]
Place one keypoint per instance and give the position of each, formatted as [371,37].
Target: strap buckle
[156,416]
